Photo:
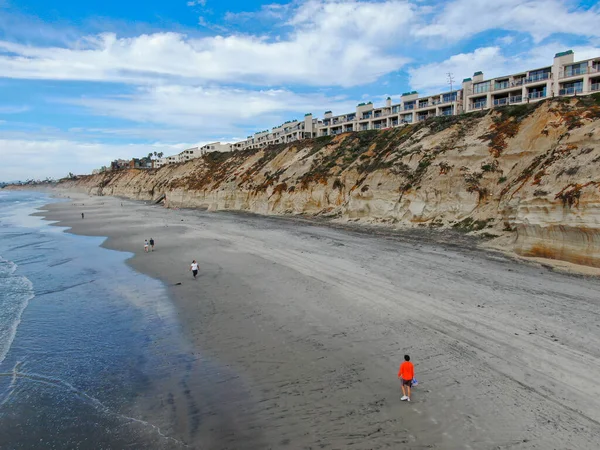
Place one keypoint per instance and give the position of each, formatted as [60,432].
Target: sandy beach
[305,327]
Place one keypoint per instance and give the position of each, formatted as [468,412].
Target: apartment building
[290,131]
[215,147]
[563,78]
[411,109]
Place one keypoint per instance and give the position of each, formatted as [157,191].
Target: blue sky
[82,83]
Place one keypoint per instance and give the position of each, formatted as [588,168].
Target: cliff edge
[525,175]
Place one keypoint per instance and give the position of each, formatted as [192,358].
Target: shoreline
[323,372]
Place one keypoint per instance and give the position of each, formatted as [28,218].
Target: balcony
[366,116]
[394,123]
[421,117]
[501,101]
[539,77]
[502,85]
[479,105]
[378,114]
[424,105]
[515,99]
[364,127]
[408,107]
[595,87]
[575,72]
[570,91]
[539,94]
[446,112]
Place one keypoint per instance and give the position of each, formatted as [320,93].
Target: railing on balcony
[423,105]
[575,72]
[570,91]
[378,115]
[595,87]
[377,126]
[409,107]
[502,85]
[515,99]
[501,101]
[364,127]
[446,112]
[479,105]
[539,77]
[367,116]
[539,94]
[394,123]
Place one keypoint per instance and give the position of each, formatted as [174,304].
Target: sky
[83,83]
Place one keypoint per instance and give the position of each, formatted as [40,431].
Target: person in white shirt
[146,245]
[194,268]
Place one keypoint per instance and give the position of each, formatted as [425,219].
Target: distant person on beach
[146,245]
[194,268]
[406,375]
[152,243]
[82,216]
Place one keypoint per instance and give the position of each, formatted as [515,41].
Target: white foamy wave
[15,293]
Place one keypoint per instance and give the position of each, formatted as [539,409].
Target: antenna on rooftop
[450,81]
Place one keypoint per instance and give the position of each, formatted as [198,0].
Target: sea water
[82,338]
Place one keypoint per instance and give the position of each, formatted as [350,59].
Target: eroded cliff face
[529,172]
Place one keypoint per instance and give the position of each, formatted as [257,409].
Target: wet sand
[308,324]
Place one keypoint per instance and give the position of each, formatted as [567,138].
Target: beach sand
[303,328]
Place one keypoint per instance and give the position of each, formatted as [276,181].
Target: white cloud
[332,43]
[22,159]
[216,110]
[460,19]
[197,3]
[14,109]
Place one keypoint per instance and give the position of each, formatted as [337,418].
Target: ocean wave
[15,293]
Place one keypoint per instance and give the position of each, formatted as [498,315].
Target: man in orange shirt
[406,374]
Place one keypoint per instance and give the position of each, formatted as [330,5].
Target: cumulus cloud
[332,43]
[215,110]
[460,19]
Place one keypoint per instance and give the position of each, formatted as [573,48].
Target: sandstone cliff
[528,174]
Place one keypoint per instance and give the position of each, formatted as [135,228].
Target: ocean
[86,343]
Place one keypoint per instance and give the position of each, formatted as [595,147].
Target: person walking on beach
[406,375]
[82,216]
[194,268]
[146,245]
[152,244]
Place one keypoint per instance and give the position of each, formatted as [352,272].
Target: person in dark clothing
[82,216]
[152,244]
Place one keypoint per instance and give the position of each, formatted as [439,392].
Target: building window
[449,97]
[538,75]
[480,88]
[571,88]
[575,69]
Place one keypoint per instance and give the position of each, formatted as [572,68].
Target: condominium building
[563,78]
[215,147]
[290,131]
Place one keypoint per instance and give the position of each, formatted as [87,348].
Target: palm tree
[160,155]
